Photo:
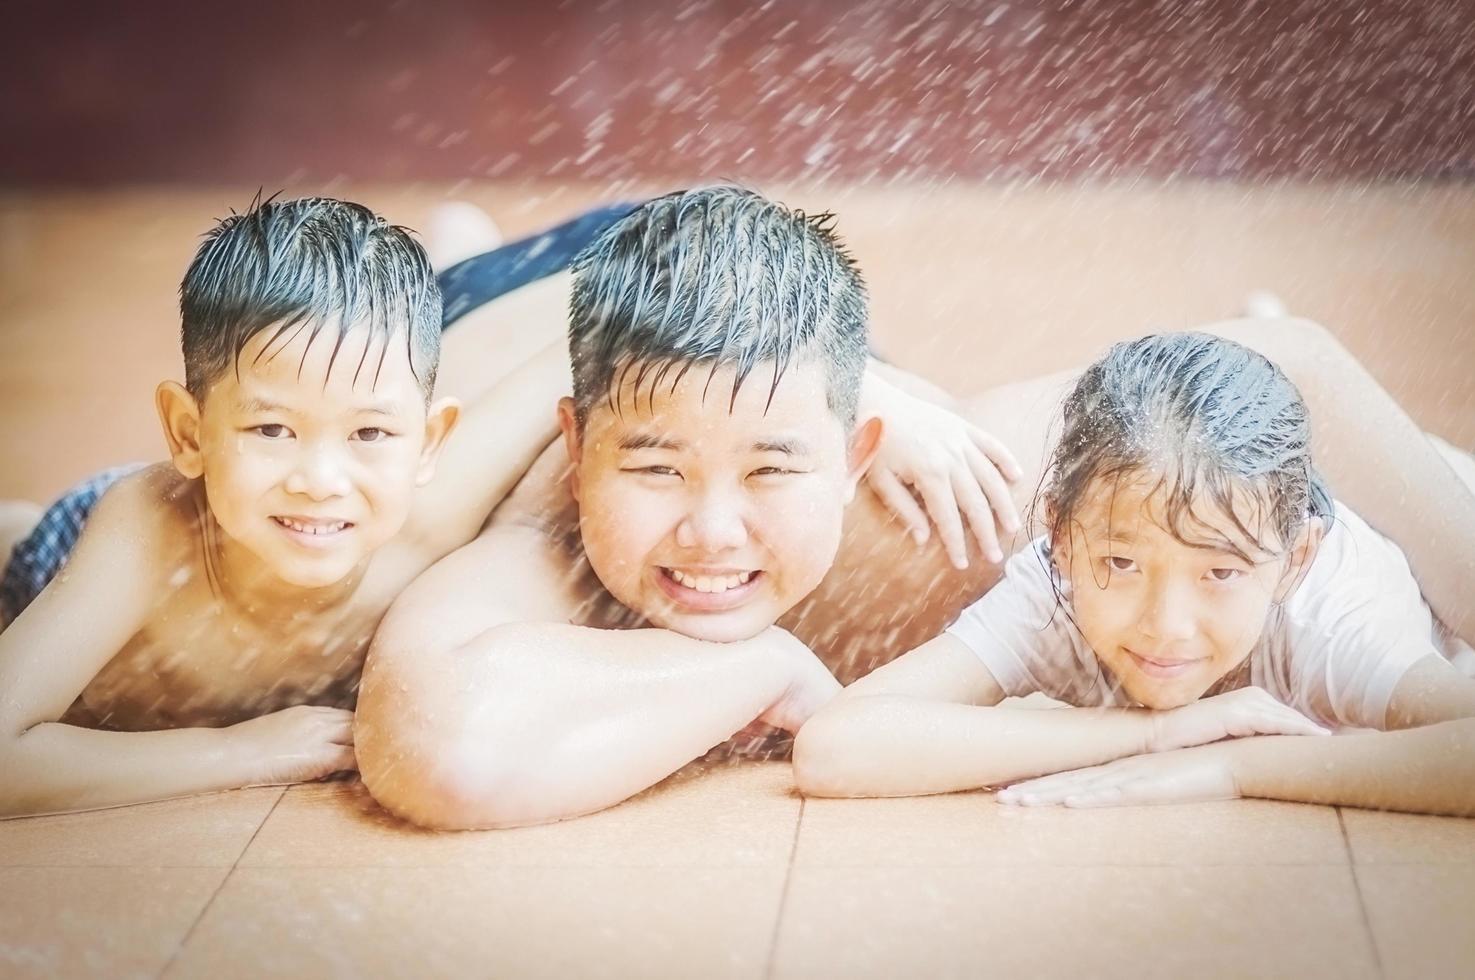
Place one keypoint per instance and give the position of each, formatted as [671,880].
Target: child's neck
[243,581]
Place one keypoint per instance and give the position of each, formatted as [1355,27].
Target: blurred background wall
[1022,182]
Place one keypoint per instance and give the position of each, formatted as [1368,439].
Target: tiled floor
[727,872]
[723,871]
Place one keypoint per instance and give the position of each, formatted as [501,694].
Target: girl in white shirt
[1200,603]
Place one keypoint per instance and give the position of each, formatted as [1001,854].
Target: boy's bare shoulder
[154,507]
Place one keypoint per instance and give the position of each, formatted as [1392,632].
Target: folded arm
[1425,769]
[482,707]
[65,637]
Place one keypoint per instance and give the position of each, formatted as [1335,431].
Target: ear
[1303,553]
[573,440]
[1060,551]
[179,414]
[440,421]
[865,442]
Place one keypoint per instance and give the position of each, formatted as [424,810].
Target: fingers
[980,517]
[337,725]
[343,760]
[942,505]
[999,454]
[1080,791]
[1289,721]
[990,479]
[1046,790]
[900,502]
[1266,715]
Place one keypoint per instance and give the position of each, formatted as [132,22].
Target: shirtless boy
[209,627]
[615,619]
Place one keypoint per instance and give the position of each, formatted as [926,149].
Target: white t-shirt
[1333,651]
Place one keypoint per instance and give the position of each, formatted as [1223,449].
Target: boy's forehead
[356,355]
[647,393]
[287,367]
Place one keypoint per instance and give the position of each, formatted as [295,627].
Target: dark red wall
[97,93]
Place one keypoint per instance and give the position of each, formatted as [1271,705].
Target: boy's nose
[319,476]
[714,524]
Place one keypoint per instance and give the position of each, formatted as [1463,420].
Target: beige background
[971,286]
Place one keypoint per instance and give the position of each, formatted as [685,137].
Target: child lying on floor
[1208,611]
[206,619]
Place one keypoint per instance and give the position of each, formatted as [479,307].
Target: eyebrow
[253,405]
[262,405]
[787,446]
[649,440]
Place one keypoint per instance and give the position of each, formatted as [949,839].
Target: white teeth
[709,583]
[302,528]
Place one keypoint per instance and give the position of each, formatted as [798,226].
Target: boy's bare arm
[53,649]
[499,436]
[482,707]
[927,723]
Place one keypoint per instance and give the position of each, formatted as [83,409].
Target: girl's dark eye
[1225,574]
[271,430]
[1120,564]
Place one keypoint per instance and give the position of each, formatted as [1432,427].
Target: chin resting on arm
[535,722]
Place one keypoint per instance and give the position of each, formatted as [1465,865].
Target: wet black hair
[719,276]
[1206,417]
[314,263]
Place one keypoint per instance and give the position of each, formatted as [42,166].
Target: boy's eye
[1120,564]
[1225,574]
[655,470]
[271,430]
[370,434]
[771,471]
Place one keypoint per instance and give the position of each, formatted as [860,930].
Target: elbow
[824,756]
[449,752]
[442,779]
[26,791]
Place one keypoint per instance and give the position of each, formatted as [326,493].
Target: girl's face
[1169,618]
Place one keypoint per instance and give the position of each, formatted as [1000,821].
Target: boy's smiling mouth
[311,530]
[708,589]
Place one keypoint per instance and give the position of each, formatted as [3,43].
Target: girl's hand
[296,744]
[1182,776]
[957,469]
[1235,714]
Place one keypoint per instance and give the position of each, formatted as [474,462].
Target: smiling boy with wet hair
[209,624]
[616,617]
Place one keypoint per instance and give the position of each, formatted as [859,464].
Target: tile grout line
[1367,922]
[783,900]
[184,940]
